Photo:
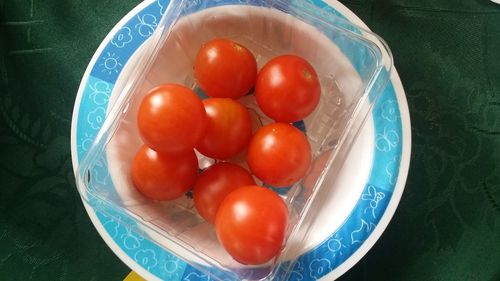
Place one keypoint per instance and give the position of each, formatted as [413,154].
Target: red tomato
[228,129]
[214,184]
[164,176]
[287,89]
[279,154]
[225,69]
[171,118]
[251,224]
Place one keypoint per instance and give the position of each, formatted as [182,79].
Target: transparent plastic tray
[353,65]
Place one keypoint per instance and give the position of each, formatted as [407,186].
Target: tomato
[287,89]
[225,69]
[171,118]
[228,129]
[251,224]
[279,154]
[214,184]
[164,176]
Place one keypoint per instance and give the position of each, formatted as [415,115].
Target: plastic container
[353,65]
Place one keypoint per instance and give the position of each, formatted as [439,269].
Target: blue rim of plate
[312,265]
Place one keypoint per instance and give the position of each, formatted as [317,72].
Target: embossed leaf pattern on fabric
[446,53]
[45,233]
[453,157]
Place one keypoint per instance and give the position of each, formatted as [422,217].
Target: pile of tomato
[250,220]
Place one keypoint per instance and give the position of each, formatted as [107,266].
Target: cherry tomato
[171,118]
[214,184]
[225,69]
[279,154]
[251,224]
[287,89]
[228,129]
[164,176]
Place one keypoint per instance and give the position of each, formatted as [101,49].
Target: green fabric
[447,226]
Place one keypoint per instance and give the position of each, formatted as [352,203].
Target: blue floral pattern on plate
[310,266]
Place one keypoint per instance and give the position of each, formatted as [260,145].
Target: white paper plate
[380,158]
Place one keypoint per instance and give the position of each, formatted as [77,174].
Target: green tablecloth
[447,226]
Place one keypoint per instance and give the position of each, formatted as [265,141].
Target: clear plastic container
[353,64]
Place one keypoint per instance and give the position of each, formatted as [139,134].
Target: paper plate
[380,158]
